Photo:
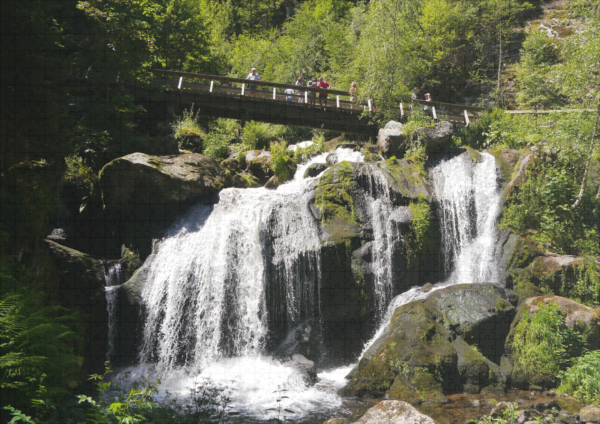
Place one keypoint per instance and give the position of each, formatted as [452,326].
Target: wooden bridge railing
[184,77]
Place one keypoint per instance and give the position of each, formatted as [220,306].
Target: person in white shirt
[254,77]
[289,95]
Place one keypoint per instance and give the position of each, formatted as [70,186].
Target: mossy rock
[420,358]
[315,169]
[507,159]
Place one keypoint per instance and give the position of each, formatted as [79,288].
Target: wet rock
[477,373]
[258,162]
[524,415]
[545,404]
[315,169]
[301,340]
[391,141]
[565,417]
[590,414]
[306,367]
[331,159]
[273,183]
[476,403]
[394,412]
[231,164]
[426,287]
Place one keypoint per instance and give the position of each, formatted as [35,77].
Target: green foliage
[187,129]
[216,145]
[419,236]
[81,176]
[257,135]
[582,380]
[280,161]
[543,345]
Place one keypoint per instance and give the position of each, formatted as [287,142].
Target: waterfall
[113,277]
[468,197]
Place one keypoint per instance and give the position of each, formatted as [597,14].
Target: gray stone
[499,409]
[590,414]
[395,412]
[315,169]
[391,141]
[434,137]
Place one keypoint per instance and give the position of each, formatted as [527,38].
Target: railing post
[433,111]
[337,99]
[369,102]
[180,81]
[274,93]
[401,110]
[243,86]
[211,86]
[306,97]
[466,118]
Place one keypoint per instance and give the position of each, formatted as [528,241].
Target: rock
[231,164]
[306,367]
[426,287]
[565,417]
[477,373]
[337,421]
[272,183]
[302,340]
[590,414]
[490,403]
[434,137]
[166,145]
[81,286]
[476,403]
[544,404]
[331,159]
[507,159]
[395,412]
[258,162]
[523,416]
[315,169]
[399,363]
[391,141]
[58,235]
[499,409]
[138,187]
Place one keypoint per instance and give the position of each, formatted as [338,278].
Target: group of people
[310,96]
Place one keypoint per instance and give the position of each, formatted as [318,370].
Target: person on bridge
[254,77]
[427,99]
[289,92]
[323,96]
[300,83]
[311,94]
[414,96]
[354,91]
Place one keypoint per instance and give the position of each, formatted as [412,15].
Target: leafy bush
[81,176]
[280,161]
[216,145]
[417,119]
[543,345]
[582,380]
[257,135]
[187,130]
[419,236]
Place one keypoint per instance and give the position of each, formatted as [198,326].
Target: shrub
[216,145]
[419,236]
[257,135]
[582,380]
[543,345]
[280,161]
[187,130]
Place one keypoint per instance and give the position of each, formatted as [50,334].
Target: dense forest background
[65,112]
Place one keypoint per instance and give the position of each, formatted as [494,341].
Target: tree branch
[589,161]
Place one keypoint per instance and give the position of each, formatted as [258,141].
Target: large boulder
[143,194]
[258,162]
[434,137]
[391,140]
[426,352]
[395,412]
[315,169]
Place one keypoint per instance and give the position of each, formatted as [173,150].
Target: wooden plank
[453,106]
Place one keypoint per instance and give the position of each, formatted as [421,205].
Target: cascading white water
[468,195]
[113,276]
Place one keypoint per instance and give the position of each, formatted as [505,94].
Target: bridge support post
[466,118]
[274,93]
[369,101]
[433,111]
[211,86]
[401,110]
[180,81]
[337,98]
[243,86]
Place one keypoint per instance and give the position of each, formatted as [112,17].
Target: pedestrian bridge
[227,97]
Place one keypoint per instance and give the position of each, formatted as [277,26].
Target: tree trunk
[589,161]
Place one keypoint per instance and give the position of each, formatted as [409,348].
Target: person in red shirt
[323,96]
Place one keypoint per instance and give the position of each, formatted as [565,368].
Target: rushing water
[468,195]
[113,277]
[211,281]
